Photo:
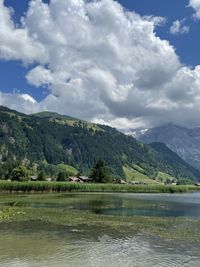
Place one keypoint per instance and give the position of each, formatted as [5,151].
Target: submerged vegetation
[55,209]
[9,213]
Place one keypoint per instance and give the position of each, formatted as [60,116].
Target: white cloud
[27,97]
[178,27]
[40,76]
[102,63]
[21,102]
[158,21]
[195,4]
[16,43]
[99,57]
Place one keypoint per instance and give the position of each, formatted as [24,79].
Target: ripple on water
[133,252]
[105,251]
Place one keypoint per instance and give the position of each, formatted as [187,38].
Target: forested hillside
[48,139]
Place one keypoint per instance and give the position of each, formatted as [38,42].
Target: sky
[124,63]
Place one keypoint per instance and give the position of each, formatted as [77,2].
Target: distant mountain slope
[52,138]
[64,119]
[185,142]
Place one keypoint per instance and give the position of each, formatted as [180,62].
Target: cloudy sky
[125,63]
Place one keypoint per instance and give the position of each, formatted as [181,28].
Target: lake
[96,229]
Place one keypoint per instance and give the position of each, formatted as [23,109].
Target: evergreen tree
[41,176]
[100,173]
[62,176]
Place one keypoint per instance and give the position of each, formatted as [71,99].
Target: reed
[6,186]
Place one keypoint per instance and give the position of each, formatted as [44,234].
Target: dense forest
[46,140]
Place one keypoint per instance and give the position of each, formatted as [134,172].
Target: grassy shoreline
[6,186]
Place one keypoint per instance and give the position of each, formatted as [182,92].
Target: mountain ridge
[183,141]
[53,139]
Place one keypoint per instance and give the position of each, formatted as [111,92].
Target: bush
[19,174]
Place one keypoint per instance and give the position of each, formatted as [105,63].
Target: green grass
[162,177]
[67,120]
[136,174]
[68,187]
[73,122]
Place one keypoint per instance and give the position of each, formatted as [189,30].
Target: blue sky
[57,87]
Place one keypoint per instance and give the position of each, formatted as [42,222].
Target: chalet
[75,179]
[33,178]
[80,179]
[85,179]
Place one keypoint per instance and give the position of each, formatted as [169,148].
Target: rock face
[185,142]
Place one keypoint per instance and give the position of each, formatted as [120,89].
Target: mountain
[50,138]
[183,141]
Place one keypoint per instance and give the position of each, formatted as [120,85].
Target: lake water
[37,243]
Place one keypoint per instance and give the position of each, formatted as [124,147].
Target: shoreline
[48,187]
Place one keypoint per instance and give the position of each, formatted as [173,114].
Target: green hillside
[133,174]
[52,139]
[63,119]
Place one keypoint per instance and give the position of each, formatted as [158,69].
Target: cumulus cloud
[17,101]
[16,43]
[195,4]
[102,63]
[178,27]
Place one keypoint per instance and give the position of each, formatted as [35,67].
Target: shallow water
[164,205]
[31,244]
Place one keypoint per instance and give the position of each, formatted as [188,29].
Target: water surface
[35,243]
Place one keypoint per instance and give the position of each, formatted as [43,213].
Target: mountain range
[53,139]
[183,141]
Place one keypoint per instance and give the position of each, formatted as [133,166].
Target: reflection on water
[34,244]
[165,205]
[143,205]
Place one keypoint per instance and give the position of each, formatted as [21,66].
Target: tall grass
[78,187]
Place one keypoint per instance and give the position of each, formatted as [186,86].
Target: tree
[41,176]
[19,174]
[100,173]
[62,176]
